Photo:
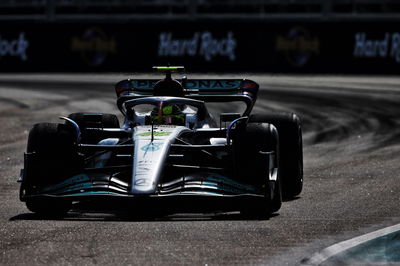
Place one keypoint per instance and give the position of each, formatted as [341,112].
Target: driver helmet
[168,115]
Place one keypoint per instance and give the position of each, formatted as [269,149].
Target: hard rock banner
[274,47]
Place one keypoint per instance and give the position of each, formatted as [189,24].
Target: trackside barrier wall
[282,47]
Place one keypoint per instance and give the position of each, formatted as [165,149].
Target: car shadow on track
[126,217]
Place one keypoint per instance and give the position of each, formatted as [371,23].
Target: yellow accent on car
[169,68]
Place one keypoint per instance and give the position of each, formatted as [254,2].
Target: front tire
[51,157]
[252,146]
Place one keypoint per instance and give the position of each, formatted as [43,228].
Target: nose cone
[150,156]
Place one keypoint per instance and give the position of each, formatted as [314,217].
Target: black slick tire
[93,120]
[54,157]
[252,145]
[290,150]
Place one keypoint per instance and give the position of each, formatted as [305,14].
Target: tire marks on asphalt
[339,116]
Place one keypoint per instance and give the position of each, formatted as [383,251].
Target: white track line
[335,249]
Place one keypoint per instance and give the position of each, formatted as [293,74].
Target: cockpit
[167,111]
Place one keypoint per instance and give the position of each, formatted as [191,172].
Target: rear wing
[204,87]
[208,90]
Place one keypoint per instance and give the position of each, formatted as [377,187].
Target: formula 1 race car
[170,154]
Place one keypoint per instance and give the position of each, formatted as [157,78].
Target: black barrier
[314,47]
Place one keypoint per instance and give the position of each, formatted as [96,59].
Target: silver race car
[171,154]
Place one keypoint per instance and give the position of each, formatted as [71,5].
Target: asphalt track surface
[351,157]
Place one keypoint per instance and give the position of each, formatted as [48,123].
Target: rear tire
[290,150]
[53,157]
[94,120]
[254,167]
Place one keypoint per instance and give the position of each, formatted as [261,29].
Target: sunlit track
[351,154]
[334,117]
